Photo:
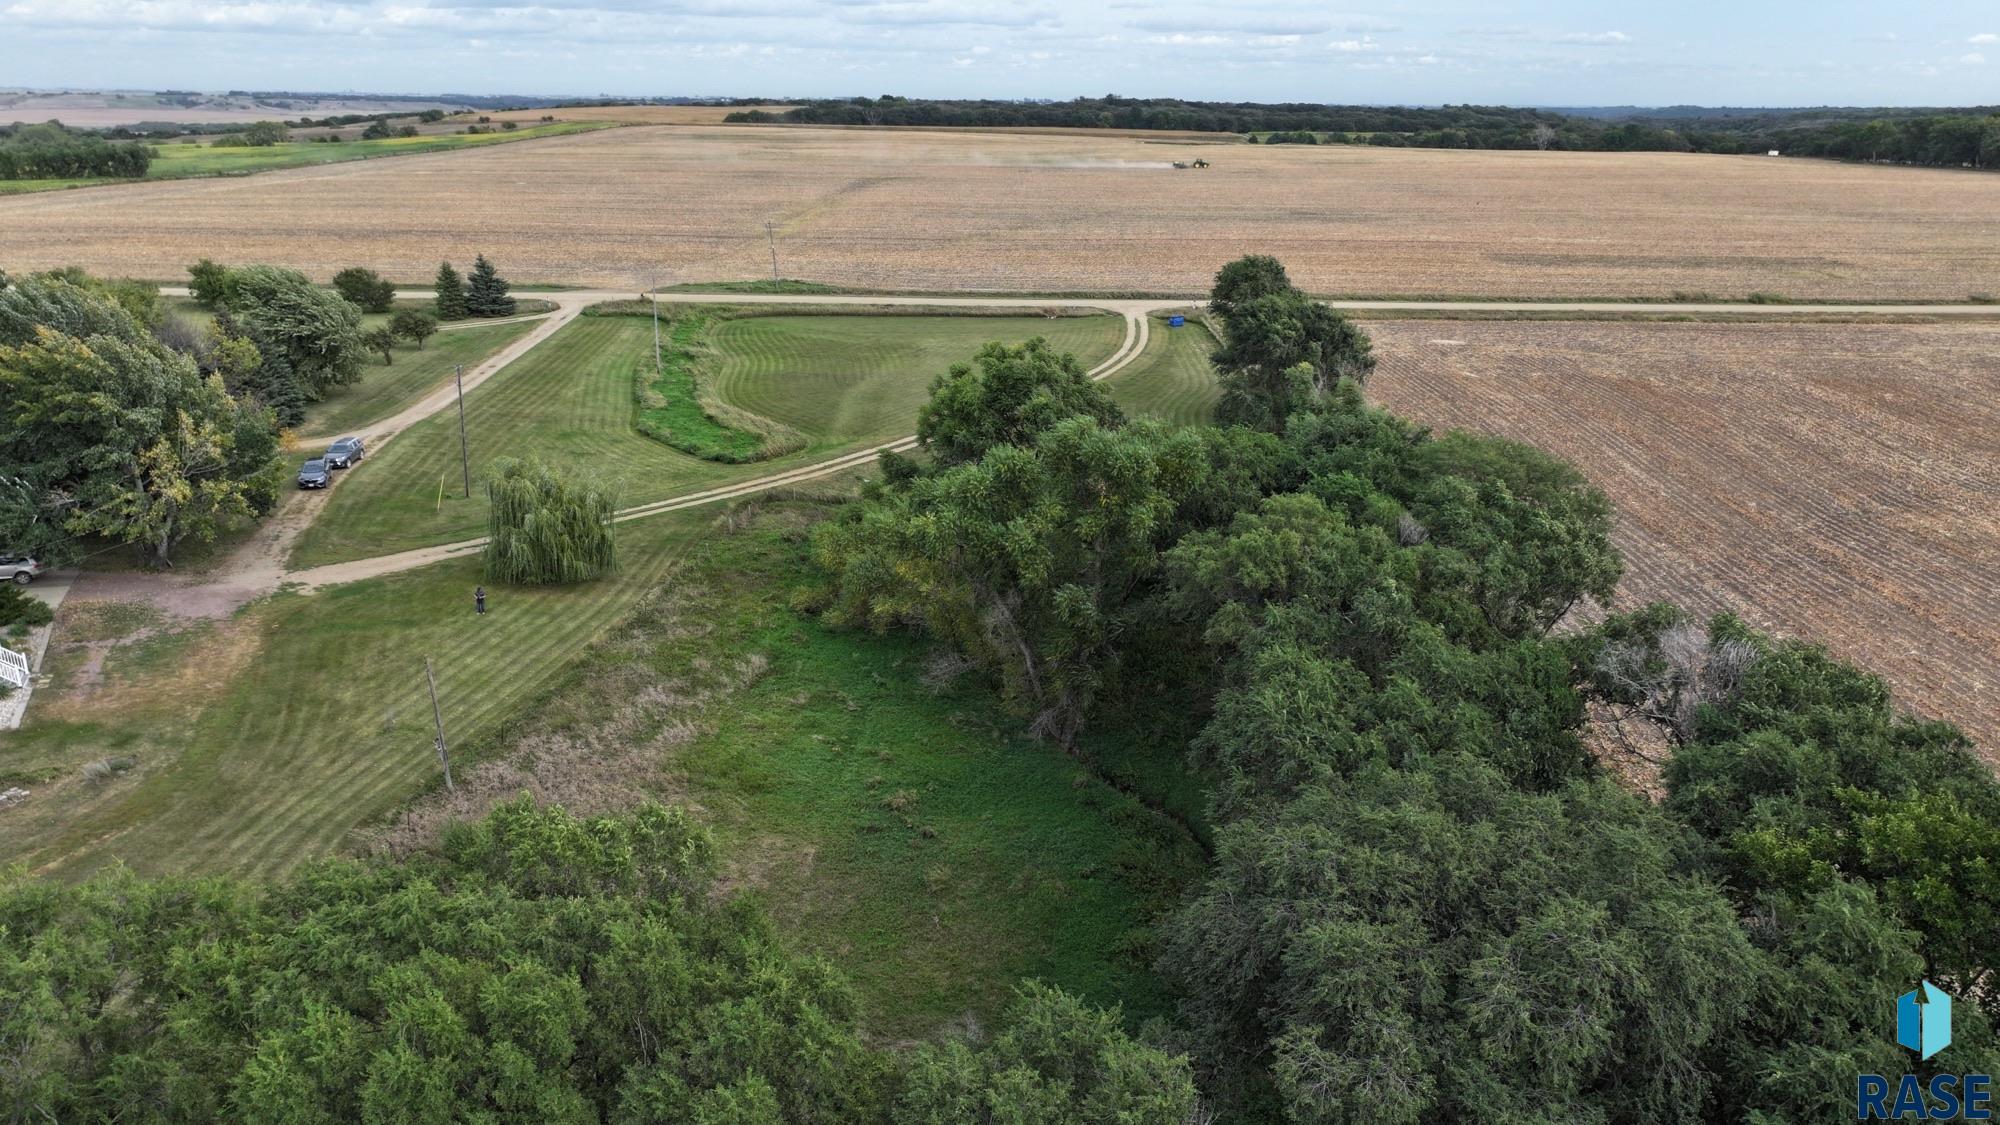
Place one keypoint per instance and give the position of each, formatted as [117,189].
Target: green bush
[365,288]
[537,967]
[17,607]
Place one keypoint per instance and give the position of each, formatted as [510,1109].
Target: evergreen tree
[487,291]
[271,381]
[451,297]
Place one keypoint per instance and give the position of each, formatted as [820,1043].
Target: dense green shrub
[534,967]
[51,152]
[1428,903]
[18,607]
[366,288]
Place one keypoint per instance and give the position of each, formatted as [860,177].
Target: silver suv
[18,568]
[343,453]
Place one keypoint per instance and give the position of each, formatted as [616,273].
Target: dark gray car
[343,453]
[313,474]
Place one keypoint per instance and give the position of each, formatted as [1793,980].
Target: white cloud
[1245,23]
[1594,38]
[1185,40]
[1972,58]
[1353,46]
[1984,37]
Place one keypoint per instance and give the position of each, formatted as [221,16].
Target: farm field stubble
[1025,213]
[1837,483]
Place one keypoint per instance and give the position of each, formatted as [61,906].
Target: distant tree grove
[51,152]
[1968,137]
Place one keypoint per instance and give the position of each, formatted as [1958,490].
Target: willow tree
[547,525]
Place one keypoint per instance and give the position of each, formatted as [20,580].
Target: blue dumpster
[1176,321]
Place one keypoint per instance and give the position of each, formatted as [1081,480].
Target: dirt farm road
[257,567]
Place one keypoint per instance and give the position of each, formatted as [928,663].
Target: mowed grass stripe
[1172,379]
[841,380]
[478,689]
[570,400]
[383,390]
[329,725]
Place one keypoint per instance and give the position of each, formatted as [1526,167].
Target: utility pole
[655,294]
[464,452]
[771,236]
[437,716]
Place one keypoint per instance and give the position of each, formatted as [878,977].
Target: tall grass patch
[675,408]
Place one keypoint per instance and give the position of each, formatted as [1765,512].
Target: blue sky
[1750,52]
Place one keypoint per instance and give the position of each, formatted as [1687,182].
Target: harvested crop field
[1002,211]
[1833,482]
[635,114]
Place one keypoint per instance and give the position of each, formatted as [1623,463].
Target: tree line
[125,423]
[534,967]
[1428,901]
[51,152]
[1968,137]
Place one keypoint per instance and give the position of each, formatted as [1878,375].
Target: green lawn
[571,400]
[181,161]
[261,741]
[1172,379]
[384,390]
[912,836]
[861,378]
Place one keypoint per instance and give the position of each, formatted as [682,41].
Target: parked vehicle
[19,568]
[313,474]
[343,453]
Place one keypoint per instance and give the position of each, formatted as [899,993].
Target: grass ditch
[894,822]
[674,408]
[675,402]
